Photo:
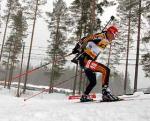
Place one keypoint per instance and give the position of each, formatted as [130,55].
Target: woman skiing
[87,50]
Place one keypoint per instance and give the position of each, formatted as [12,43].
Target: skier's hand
[76,49]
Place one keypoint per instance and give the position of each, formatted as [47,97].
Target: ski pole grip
[112,17]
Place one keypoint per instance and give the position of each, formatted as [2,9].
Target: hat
[113,30]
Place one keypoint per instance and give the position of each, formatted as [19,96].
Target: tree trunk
[75,80]
[126,69]
[84,83]
[18,89]
[51,79]
[27,69]
[7,66]
[80,81]
[54,57]
[10,75]
[92,19]
[138,47]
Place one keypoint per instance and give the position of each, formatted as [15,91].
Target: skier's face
[110,36]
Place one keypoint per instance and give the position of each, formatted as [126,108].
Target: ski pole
[35,95]
[30,71]
[111,19]
[48,89]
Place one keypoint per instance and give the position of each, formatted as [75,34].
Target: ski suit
[91,47]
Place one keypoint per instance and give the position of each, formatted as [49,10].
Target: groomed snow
[56,107]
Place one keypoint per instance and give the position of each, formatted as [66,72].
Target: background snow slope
[56,107]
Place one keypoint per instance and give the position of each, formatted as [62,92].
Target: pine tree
[32,12]
[86,19]
[146,65]
[137,10]
[14,42]
[9,10]
[128,20]
[58,39]
[124,7]
[146,41]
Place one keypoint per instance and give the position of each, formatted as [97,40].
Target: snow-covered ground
[57,107]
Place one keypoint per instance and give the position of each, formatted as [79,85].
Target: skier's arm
[78,47]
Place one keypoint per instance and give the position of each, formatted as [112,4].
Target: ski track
[56,107]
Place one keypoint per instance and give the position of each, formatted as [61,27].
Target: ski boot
[85,98]
[107,95]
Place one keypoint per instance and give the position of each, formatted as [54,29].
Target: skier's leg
[97,67]
[92,79]
[105,73]
[92,82]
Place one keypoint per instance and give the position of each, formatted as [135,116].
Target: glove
[76,49]
[74,60]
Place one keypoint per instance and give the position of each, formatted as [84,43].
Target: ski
[72,97]
[93,96]
[126,98]
[129,96]
[101,101]
[120,99]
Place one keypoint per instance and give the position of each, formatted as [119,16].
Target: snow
[57,107]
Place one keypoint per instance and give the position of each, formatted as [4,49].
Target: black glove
[76,49]
[74,60]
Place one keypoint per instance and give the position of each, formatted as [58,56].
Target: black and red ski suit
[91,46]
